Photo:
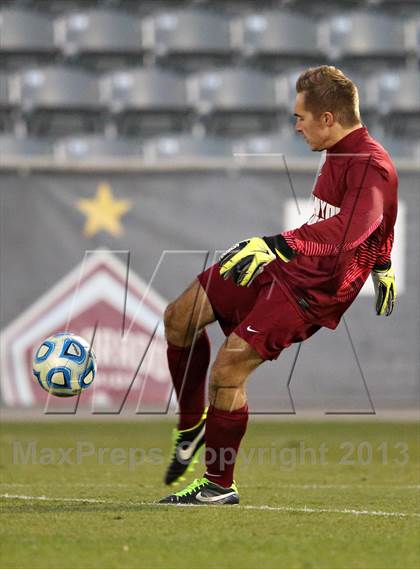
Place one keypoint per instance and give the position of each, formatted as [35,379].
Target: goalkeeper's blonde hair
[327,89]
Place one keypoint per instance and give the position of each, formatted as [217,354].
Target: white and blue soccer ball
[64,365]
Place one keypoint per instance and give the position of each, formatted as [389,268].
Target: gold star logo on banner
[103,212]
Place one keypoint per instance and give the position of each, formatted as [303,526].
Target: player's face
[314,130]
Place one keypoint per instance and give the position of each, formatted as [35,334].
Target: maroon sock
[224,432]
[190,383]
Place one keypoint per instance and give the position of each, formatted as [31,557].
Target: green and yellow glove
[385,289]
[246,260]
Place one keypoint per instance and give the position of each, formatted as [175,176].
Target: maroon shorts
[262,314]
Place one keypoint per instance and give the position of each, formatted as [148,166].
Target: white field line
[306,510]
[49,499]
[339,486]
[82,485]
[287,509]
[277,486]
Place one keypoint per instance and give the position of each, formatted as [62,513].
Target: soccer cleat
[202,491]
[186,446]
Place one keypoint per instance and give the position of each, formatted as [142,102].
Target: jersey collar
[348,143]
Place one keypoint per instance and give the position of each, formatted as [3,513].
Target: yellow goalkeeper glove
[246,260]
[385,290]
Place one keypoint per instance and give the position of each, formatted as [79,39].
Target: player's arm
[384,279]
[384,256]
[360,215]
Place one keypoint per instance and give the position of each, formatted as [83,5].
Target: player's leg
[188,315]
[227,420]
[228,412]
[235,361]
[189,351]
[188,355]
[274,323]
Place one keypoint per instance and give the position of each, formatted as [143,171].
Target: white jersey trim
[322,211]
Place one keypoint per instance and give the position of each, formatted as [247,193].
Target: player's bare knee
[169,317]
[179,328]
[224,386]
[224,377]
[174,325]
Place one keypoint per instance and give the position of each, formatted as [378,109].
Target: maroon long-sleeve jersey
[350,231]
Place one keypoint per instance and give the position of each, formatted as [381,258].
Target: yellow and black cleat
[186,447]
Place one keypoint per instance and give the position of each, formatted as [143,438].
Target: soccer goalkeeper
[270,292]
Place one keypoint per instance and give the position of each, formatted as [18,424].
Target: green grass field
[350,502]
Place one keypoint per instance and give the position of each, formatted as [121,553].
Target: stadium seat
[187,146]
[234,100]
[86,148]
[276,33]
[4,91]
[63,99]
[107,33]
[5,105]
[187,33]
[286,88]
[234,89]
[399,147]
[25,32]
[143,89]
[412,35]
[145,98]
[398,4]
[395,92]
[360,34]
[396,96]
[14,148]
[285,143]
[54,87]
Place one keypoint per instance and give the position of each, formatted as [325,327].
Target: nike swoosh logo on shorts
[202,498]
[186,453]
[252,330]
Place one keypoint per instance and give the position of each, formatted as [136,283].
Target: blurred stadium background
[138,128]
